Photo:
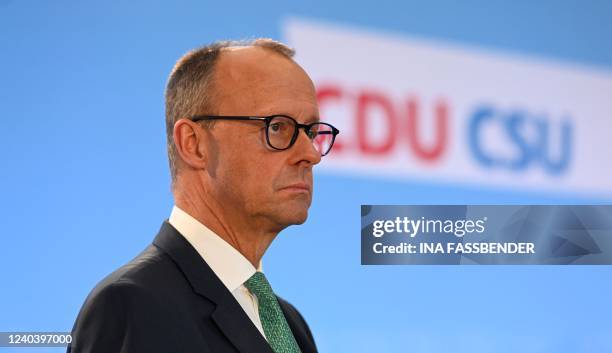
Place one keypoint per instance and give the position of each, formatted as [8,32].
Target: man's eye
[279,127]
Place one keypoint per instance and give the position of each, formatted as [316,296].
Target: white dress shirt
[232,268]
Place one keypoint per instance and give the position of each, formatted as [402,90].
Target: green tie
[274,323]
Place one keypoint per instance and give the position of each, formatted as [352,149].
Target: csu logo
[528,136]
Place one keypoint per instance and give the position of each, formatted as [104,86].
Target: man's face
[247,177]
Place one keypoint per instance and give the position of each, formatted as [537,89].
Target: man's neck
[251,241]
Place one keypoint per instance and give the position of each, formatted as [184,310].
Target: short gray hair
[190,90]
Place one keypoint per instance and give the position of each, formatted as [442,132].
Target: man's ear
[191,145]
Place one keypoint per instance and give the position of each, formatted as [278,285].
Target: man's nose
[305,149]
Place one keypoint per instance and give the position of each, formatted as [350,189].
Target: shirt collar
[232,268]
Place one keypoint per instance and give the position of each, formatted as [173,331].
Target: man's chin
[299,217]
[290,212]
[294,217]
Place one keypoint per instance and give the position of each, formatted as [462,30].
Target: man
[243,137]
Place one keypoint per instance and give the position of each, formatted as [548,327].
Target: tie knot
[259,285]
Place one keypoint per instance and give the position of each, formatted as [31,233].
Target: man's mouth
[298,187]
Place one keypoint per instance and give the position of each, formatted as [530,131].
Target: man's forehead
[253,77]
[251,62]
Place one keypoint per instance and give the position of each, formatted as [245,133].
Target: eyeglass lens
[282,129]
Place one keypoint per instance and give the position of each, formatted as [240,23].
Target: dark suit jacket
[168,300]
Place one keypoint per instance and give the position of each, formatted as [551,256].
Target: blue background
[85,186]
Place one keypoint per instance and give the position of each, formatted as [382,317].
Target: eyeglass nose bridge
[306,129]
[296,134]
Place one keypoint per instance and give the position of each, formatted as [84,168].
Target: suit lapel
[228,315]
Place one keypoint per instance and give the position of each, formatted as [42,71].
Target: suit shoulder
[135,278]
[128,307]
[152,270]
[151,277]
[142,269]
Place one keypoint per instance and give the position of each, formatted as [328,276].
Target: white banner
[436,111]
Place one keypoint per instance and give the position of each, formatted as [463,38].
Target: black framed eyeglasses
[282,131]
